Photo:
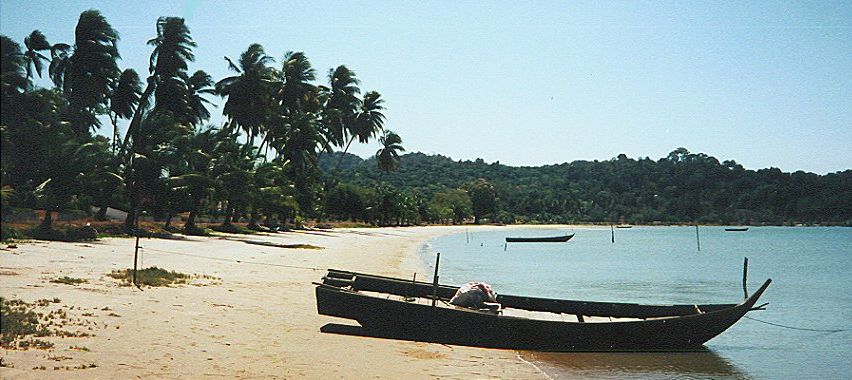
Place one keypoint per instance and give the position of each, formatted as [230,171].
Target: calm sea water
[811,268]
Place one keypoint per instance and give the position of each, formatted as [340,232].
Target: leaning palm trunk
[254,215]
[137,116]
[101,214]
[229,213]
[47,222]
[190,221]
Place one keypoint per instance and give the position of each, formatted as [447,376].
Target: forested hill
[682,187]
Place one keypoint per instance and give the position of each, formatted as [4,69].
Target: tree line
[260,165]
[280,156]
[682,187]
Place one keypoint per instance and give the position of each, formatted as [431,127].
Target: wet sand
[256,319]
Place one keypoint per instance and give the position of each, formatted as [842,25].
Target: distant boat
[540,239]
[400,308]
[737,229]
[624,226]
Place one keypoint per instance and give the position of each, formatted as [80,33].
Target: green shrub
[8,233]
[152,276]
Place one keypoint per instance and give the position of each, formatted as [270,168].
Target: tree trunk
[47,223]
[114,120]
[253,219]
[137,116]
[101,214]
[190,221]
[228,215]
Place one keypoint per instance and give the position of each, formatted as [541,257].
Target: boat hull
[413,321]
[547,239]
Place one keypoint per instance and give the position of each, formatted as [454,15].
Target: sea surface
[811,269]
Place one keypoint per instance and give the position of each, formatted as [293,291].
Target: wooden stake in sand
[136,250]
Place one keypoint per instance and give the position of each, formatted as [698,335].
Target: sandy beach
[251,320]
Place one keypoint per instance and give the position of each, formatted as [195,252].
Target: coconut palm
[35,43]
[124,100]
[197,86]
[60,59]
[387,157]
[367,122]
[13,79]
[91,69]
[172,52]
[343,100]
[248,93]
[296,91]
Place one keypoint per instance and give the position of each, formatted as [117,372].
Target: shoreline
[256,318]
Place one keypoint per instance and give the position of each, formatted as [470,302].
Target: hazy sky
[530,83]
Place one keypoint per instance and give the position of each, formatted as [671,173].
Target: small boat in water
[411,310]
[737,229]
[540,239]
[623,226]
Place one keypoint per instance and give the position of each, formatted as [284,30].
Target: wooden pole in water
[467,235]
[435,281]
[697,238]
[745,277]
[612,229]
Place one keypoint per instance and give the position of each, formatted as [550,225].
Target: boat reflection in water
[628,365]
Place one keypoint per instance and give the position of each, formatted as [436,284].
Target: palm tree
[368,122]
[387,157]
[124,99]
[248,93]
[60,58]
[343,100]
[35,42]
[172,52]
[13,79]
[295,76]
[91,69]
[197,85]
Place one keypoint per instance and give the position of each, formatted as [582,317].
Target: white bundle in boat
[475,295]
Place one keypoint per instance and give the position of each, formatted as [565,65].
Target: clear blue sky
[768,84]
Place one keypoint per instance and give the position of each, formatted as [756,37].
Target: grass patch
[231,229]
[152,276]
[196,231]
[8,233]
[18,319]
[67,233]
[68,280]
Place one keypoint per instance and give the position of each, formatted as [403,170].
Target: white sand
[257,322]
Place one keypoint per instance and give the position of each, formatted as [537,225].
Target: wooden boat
[406,309]
[736,229]
[540,239]
[623,226]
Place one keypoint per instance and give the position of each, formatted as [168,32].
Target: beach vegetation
[154,276]
[68,280]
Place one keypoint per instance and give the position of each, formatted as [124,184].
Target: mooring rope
[237,261]
[791,327]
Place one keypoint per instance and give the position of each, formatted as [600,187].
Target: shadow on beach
[703,363]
